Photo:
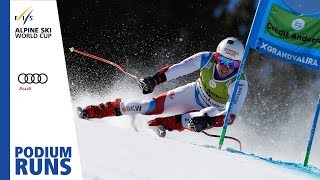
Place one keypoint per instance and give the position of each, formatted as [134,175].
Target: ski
[159,130]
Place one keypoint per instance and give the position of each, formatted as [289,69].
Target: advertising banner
[283,33]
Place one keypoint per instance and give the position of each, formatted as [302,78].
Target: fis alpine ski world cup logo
[25,16]
[26,32]
[298,24]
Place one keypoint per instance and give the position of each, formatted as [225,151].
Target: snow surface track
[111,149]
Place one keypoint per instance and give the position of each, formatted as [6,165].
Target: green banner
[288,27]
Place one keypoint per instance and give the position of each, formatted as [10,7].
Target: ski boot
[167,123]
[100,111]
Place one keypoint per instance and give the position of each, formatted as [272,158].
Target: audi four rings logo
[35,78]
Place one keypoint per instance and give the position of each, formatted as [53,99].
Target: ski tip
[71,49]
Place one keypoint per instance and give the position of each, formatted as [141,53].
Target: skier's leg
[181,122]
[115,108]
[118,108]
[175,101]
[169,123]
[101,110]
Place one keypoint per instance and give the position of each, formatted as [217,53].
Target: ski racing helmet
[231,48]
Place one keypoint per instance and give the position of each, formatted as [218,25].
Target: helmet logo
[231,52]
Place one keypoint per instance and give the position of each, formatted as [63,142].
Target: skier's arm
[205,119]
[211,117]
[187,66]
[239,99]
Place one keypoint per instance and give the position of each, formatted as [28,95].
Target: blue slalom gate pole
[235,90]
[313,129]
[251,43]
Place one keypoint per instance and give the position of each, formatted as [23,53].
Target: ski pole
[72,49]
[227,137]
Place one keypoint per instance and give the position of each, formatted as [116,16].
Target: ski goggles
[229,63]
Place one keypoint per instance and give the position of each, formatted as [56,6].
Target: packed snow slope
[111,149]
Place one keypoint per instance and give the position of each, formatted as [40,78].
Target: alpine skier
[195,106]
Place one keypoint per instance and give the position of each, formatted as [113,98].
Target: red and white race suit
[209,94]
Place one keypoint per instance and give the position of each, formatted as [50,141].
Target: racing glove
[147,84]
[201,123]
